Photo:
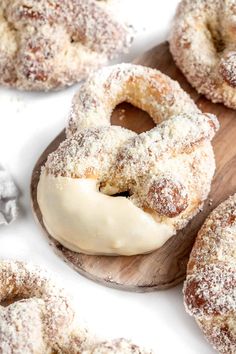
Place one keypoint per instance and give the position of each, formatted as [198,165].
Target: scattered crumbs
[210,201]
[121,114]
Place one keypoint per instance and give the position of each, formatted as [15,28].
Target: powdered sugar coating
[210,286]
[43,321]
[176,155]
[202,43]
[90,152]
[49,44]
[37,317]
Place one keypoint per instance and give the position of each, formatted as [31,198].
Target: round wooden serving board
[165,267]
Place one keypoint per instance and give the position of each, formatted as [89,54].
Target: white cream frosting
[83,219]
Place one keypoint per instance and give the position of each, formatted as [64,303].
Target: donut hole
[130,117]
[112,191]
[11,300]
[217,39]
[125,194]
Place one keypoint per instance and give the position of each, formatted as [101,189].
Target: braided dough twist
[49,44]
[166,171]
[38,318]
[210,286]
[203,45]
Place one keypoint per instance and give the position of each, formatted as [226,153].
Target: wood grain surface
[166,266]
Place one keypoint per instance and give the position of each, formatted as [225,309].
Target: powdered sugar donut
[202,43]
[39,317]
[165,173]
[50,44]
[36,317]
[209,289]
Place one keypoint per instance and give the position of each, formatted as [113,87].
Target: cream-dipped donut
[166,172]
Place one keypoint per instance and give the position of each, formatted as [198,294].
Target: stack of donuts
[106,190]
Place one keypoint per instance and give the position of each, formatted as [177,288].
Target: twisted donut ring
[166,171]
[210,286]
[37,317]
[49,44]
[43,321]
[202,43]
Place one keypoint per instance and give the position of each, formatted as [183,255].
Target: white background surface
[28,122]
